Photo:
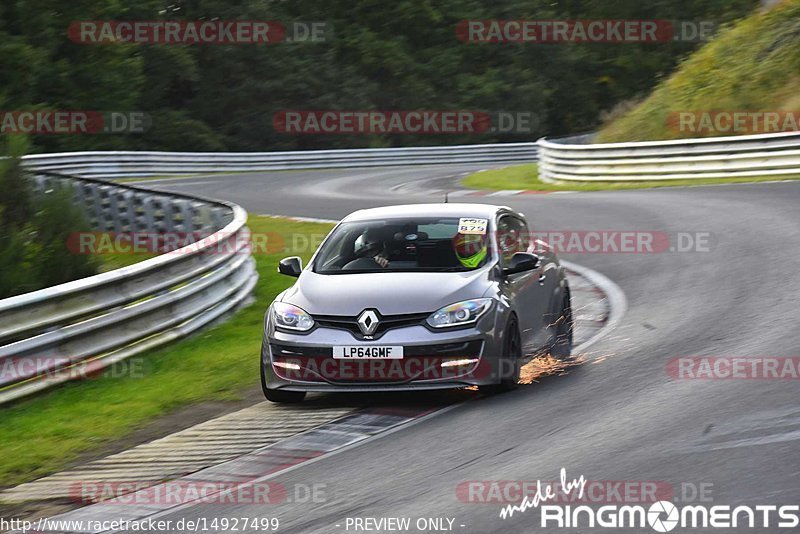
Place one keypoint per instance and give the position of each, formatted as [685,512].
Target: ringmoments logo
[660,516]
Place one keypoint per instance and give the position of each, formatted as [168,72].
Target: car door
[525,290]
[550,288]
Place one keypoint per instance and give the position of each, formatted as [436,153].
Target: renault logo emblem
[368,322]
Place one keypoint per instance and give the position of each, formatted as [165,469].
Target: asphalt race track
[619,418]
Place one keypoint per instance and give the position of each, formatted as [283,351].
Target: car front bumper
[304,362]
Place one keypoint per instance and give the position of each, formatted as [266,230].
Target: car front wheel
[562,346]
[509,362]
[279,395]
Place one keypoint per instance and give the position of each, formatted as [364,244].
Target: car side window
[512,237]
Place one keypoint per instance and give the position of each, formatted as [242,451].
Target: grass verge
[48,432]
[515,177]
[750,66]
[109,262]
[526,177]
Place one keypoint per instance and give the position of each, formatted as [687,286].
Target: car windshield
[432,244]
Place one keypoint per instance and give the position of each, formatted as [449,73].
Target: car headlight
[291,317]
[460,313]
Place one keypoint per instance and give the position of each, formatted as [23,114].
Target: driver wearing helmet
[369,251]
[470,249]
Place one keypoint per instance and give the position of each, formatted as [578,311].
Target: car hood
[389,293]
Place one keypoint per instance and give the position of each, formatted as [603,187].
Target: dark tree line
[398,55]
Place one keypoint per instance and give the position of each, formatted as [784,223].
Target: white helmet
[367,243]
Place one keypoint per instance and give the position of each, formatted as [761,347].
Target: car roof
[484,211]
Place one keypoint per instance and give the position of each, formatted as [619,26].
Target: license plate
[364,352]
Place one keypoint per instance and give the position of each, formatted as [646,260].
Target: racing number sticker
[467,225]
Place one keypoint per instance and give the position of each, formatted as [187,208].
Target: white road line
[617,303]
[182,183]
[506,193]
[249,483]
[617,306]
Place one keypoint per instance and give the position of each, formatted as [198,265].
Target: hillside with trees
[750,68]
[402,55]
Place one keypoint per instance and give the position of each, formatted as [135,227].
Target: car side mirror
[522,261]
[291,266]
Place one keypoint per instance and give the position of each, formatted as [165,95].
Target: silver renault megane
[426,296]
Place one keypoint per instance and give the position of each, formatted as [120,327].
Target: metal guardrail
[142,164]
[78,328]
[89,324]
[575,159]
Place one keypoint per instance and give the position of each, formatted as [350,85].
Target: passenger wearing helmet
[470,249]
[369,251]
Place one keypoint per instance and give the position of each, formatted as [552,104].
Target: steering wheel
[359,264]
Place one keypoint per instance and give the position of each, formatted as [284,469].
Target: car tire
[511,356]
[562,345]
[280,396]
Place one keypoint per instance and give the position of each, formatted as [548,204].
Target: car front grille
[386,323]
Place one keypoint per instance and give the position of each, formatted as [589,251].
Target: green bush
[34,230]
